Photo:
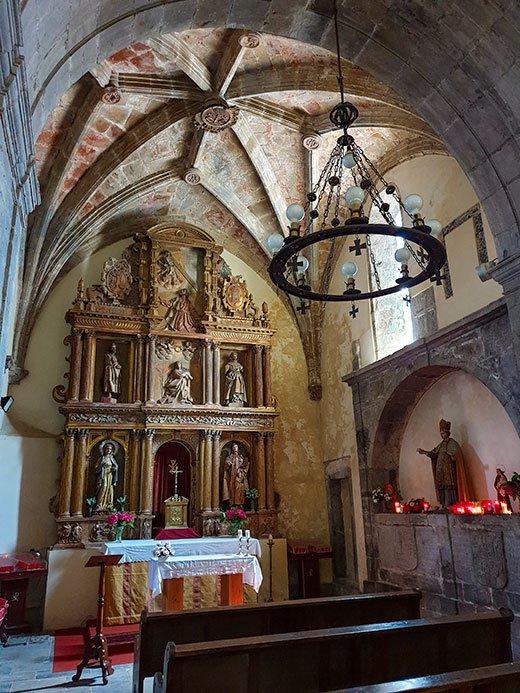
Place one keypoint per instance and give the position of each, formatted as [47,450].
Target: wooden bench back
[327,660]
[157,629]
[501,677]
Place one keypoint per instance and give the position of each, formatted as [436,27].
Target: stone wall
[385,393]
[460,563]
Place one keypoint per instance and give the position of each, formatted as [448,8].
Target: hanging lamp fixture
[331,212]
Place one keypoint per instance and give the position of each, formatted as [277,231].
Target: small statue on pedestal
[106,478]
[448,468]
[111,376]
[505,489]
[236,467]
[236,385]
[177,386]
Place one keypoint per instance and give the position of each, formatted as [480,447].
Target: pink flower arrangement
[119,521]
[236,518]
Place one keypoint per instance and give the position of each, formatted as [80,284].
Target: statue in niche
[235,383]
[448,468]
[236,467]
[111,376]
[181,315]
[106,477]
[177,386]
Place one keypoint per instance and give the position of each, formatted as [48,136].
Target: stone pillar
[259,378]
[76,348]
[268,397]
[67,463]
[208,372]
[260,468]
[216,373]
[147,472]
[215,500]
[87,367]
[269,469]
[134,463]
[138,369]
[507,273]
[80,466]
[208,461]
[150,344]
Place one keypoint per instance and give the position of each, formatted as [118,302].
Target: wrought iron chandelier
[319,220]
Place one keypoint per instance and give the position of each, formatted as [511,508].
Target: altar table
[142,549]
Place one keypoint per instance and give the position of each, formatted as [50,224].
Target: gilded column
[268,398]
[135,470]
[138,370]
[216,373]
[75,364]
[208,359]
[259,385]
[216,471]
[150,343]
[208,461]
[87,367]
[200,471]
[147,472]
[269,469]
[80,467]
[67,463]
[260,468]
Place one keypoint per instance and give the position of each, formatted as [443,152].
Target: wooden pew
[336,658]
[157,629]
[503,678]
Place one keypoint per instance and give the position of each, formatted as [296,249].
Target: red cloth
[163,484]
[69,645]
[3,609]
[181,533]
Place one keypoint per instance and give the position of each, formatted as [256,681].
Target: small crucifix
[303,307]
[423,256]
[353,311]
[407,300]
[296,264]
[437,278]
[174,469]
[358,246]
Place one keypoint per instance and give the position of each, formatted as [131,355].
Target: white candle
[270,537]
[248,533]
[240,534]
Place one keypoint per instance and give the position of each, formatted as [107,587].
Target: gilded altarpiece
[169,346]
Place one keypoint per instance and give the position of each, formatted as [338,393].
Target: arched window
[391,315]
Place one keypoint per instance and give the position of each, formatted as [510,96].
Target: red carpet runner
[68,646]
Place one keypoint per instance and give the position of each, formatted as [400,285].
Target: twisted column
[260,468]
[268,397]
[80,466]
[87,367]
[208,374]
[138,369]
[216,471]
[150,342]
[134,458]
[67,463]
[216,373]
[76,348]
[147,472]
[208,460]
[259,384]
[269,469]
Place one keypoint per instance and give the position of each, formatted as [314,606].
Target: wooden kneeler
[95,655]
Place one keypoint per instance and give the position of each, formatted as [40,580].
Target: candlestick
[240,534]
[270,543]
[248,533]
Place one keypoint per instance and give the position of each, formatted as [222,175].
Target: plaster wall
[28,438]
[479,423]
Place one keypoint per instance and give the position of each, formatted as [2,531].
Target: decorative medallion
[216,117]
[192,176]
[311,141]
[234,294]
[251,40]
[111,94]
[116,279]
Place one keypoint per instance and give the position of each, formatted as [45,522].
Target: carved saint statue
[448,468]
[111,374]
[235,483]
[181,315]
[106,478]
[235,383]
[177,386]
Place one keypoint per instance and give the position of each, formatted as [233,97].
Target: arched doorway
[163,480]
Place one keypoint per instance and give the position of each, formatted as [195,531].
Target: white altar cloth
[217,564]
[142,549]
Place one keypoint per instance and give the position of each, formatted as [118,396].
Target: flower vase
[118,533]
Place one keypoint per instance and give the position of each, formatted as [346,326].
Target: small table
[15,573]
[167,576]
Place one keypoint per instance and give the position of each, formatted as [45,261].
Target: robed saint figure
[112,373]
[235,482]
[106,478]
[449,472]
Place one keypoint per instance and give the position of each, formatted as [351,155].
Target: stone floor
[26,665]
